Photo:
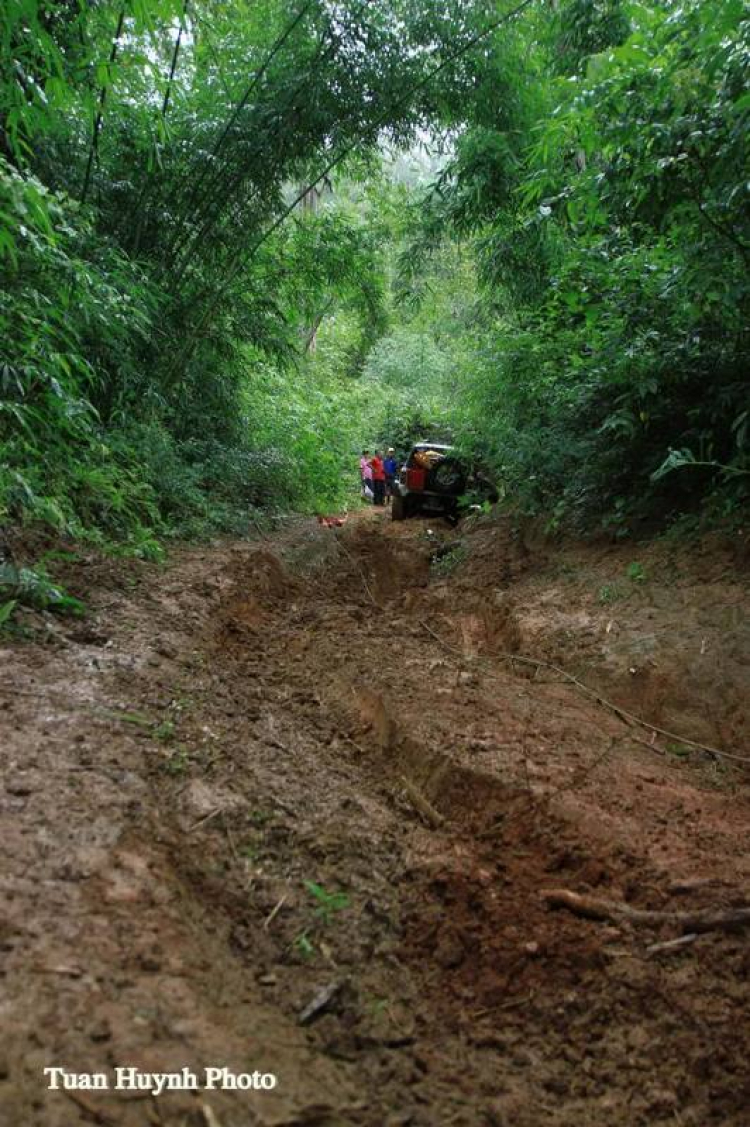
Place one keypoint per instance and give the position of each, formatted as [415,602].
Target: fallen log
[615,911]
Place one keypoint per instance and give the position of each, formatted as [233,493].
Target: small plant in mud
[257,822]
[164,731]
[6,610]
[182,703]
[303,945]
[377,1006]
[137,719]
[636,572]
[447,557]
[260,818]
[609,593]
[178,762]
[327,903]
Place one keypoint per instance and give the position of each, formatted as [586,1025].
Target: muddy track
[259,775]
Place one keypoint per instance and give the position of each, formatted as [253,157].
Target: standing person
[390,465]
[378,479]
[365,472]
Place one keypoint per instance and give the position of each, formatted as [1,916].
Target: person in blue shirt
[390,465]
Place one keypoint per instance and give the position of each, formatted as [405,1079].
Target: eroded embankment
[340,788]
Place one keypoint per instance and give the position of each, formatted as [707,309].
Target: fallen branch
[206,818]
[209,1116]
[425,808]
[621,713]
[495,828]
[672,944]
[274,912]
[230,839]
[614,911]
[319,1003]
[63,969]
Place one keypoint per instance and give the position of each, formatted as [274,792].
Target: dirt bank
[315,773]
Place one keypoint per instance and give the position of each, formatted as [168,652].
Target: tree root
[594,908]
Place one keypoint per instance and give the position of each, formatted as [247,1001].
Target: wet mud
[293,805]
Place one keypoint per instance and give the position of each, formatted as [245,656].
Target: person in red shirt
[378,479]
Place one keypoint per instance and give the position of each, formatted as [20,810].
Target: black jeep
[432,480]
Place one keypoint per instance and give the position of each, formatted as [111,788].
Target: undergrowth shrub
[33,587]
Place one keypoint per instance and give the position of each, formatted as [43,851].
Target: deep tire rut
[257,848]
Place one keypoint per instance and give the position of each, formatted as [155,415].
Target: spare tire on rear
[447,477]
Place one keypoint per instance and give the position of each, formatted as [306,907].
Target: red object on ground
[332,522]
[415,478]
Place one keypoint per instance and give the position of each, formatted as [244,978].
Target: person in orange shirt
[378,479]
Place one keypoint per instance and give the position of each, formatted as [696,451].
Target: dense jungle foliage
[240,239]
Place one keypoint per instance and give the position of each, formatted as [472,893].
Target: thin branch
[621,713]
[312,330]
[726,232]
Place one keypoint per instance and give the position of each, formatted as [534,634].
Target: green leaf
[6,610]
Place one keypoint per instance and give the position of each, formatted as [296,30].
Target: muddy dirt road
[291,806]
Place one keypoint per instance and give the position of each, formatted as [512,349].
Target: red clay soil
[315,770]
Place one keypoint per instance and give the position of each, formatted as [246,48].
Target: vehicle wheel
[398,507]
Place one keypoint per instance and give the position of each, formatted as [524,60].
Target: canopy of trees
[239,239]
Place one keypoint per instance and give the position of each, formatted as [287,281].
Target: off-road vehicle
[432,480]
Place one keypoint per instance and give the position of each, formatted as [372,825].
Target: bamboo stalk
[226,185]
[94,149]
[207,167]
[139,206]
[175,55]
